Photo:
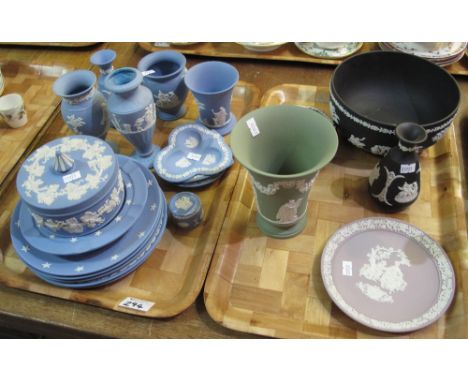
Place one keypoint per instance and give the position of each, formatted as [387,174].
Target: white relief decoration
[382,195]
[195,167]
[47,194]
[220,117]
[191,142]
[75,123]
[183,224]
[287,213]
[439,135]
[409,149]
[209,159]
[140,124]
[302,185]
[356,141]
[374,175]
[89,219]
[442,263]
[183,203]
[376,128]
[183,163]
[383,269]
[380,150]
[408,193]
[335,116]
[166,100]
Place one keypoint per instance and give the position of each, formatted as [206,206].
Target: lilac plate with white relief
[387,274]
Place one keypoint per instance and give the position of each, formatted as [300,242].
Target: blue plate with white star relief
[100,260]
[136,261]
[116,271]
[135,199]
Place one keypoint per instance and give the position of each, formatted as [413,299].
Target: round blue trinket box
[72,186]
[186,210]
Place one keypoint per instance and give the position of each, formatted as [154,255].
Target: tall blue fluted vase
[133,112]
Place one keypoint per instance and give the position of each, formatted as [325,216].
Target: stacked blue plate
[86,217]
[194,157]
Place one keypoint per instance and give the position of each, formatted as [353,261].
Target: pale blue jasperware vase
[163,73]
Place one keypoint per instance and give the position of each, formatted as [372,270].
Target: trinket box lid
[67,174]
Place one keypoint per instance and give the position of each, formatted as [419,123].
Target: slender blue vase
[103,59]
[132,112]
[83,107]
[164,74]
[212,84]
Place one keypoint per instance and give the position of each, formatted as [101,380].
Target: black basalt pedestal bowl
[371,93]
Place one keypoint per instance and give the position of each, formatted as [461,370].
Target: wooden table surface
[50,317]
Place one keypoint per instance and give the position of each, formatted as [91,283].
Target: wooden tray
[53,44]
[274,287]
[287,52]
[174,275]
[34,83]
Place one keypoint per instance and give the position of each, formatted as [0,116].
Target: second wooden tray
[274,287]
[174,275]
[287,52]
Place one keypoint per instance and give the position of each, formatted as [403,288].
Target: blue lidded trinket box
[186,210]
[72,186]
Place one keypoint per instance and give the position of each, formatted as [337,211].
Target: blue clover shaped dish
[192,150]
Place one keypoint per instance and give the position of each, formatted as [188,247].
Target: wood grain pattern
[34,84]
[272,287]
[287,52]
[174,275]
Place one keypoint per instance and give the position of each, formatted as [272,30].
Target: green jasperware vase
[283,148]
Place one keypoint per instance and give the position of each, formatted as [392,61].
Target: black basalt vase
[394,183]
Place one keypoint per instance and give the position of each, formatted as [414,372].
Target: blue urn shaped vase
[133,112]
[103,59]
[164,74]
[83,107]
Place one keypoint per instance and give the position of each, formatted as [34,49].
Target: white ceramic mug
[12,110]
[331,45]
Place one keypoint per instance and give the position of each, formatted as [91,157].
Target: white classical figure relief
[183,163]
[391,177]
[380,150]
[191,142]
[166,100]
[287,213]
[408,192]
[75,122]
[183,203]
[383,274]
[209,159]
[220,117]
[356,141]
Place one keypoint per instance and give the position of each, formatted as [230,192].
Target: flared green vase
[283,148]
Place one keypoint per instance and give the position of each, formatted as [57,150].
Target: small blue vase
[103,59]
[83,107]
[132,112]
[165,78]
[212,84]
